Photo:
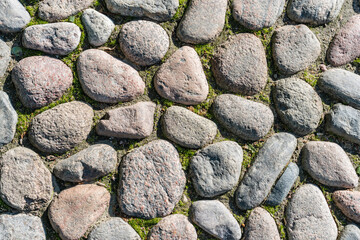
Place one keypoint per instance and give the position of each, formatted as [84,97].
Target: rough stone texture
[351,232]
[295,47]
[54,38]
[174,227]
[161,10]
[114,229]
[75,209]
[13,16]
[40,80]
[214,218]
[187,128]
[233,65]
[59,129]
[5,57]
[257,14]
[261,176]
[246,119]
[151,180]
[134,122]
[203,21]
[55,10]
[182,79]
[283,185]
[216,169]
[88,164]
[8,119]
[98,27]
[314,12]
[298,105]
[344,46]
[260,225]
[349,203]
[308,215]
[107,79]
[21,226]
[25,182]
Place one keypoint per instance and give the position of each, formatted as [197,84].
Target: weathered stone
[261,176]
[294,48]
[107,79]
[59,129]
[151,180]
[187,128]
[349,203]
[75,209]
[214,218]
[308,215]
[25,182]
[351,232]
[216,169]
[13,16]
[54,38]
[134,122]
[182,79]
[240,65]
[40,80]
[298,105]
[246,119]
[5,57]
[8,119]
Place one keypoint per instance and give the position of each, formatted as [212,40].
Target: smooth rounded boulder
[13,16]
[8,119]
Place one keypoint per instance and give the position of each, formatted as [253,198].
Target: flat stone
[75,209]
[261,176]
[132,122]
[308,215]
[203,21]
[216,169]
[351,232]
[187,128]
[114,229]
[240,66]
[8,119]
[61,128]
[53,38]
[182,79]
[5,57]
[175,227]
[162,10]
[298,105]
[349,203]
[214,218]
[244,118]
[93,162]
[13,16]
[25,182]
[107,79]
[257,14]
[98,27]
[151,181]
[295,47]
[41,80]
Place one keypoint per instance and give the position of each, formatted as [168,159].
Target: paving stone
[298,105]
[25,182]
[114,229]
[351,232]
[308,215]
[75,209]
[294,48]
[8,119]
[98,27]
[187,128]
[349,203]
[214,218]
[240,66]
[53,38]
[93,162]
[5,57]
[40,80]
[61,128]
[203,21]
[261,176]
[257,14]
[143,42]
[151,180]
[107,79]
[182,79]
[244,118]
[13,16]
[216,169]
[175,227]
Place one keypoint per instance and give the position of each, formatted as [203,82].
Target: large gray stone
[13,16]
[351,232]
[8,119]
[5,57]
[349,203]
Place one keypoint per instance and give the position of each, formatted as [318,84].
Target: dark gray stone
[351,232]
[5,57]
[13,16]
[349,203]
[8,119]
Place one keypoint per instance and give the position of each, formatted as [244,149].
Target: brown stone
[349,203]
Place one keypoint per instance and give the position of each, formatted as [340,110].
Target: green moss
[141,226]
[311,77]
[185,156]
[272,210]
[181,9]
[108,182]
[282,231]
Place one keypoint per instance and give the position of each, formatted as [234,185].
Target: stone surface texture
[8,119]
[349,203]
[5,57]
[13,16]
[351,232]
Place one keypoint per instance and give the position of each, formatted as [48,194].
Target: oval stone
[13,16]
[350,232]
[349,203]
[8,119]
[5,57]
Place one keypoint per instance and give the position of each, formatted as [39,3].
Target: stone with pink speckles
[349,203]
